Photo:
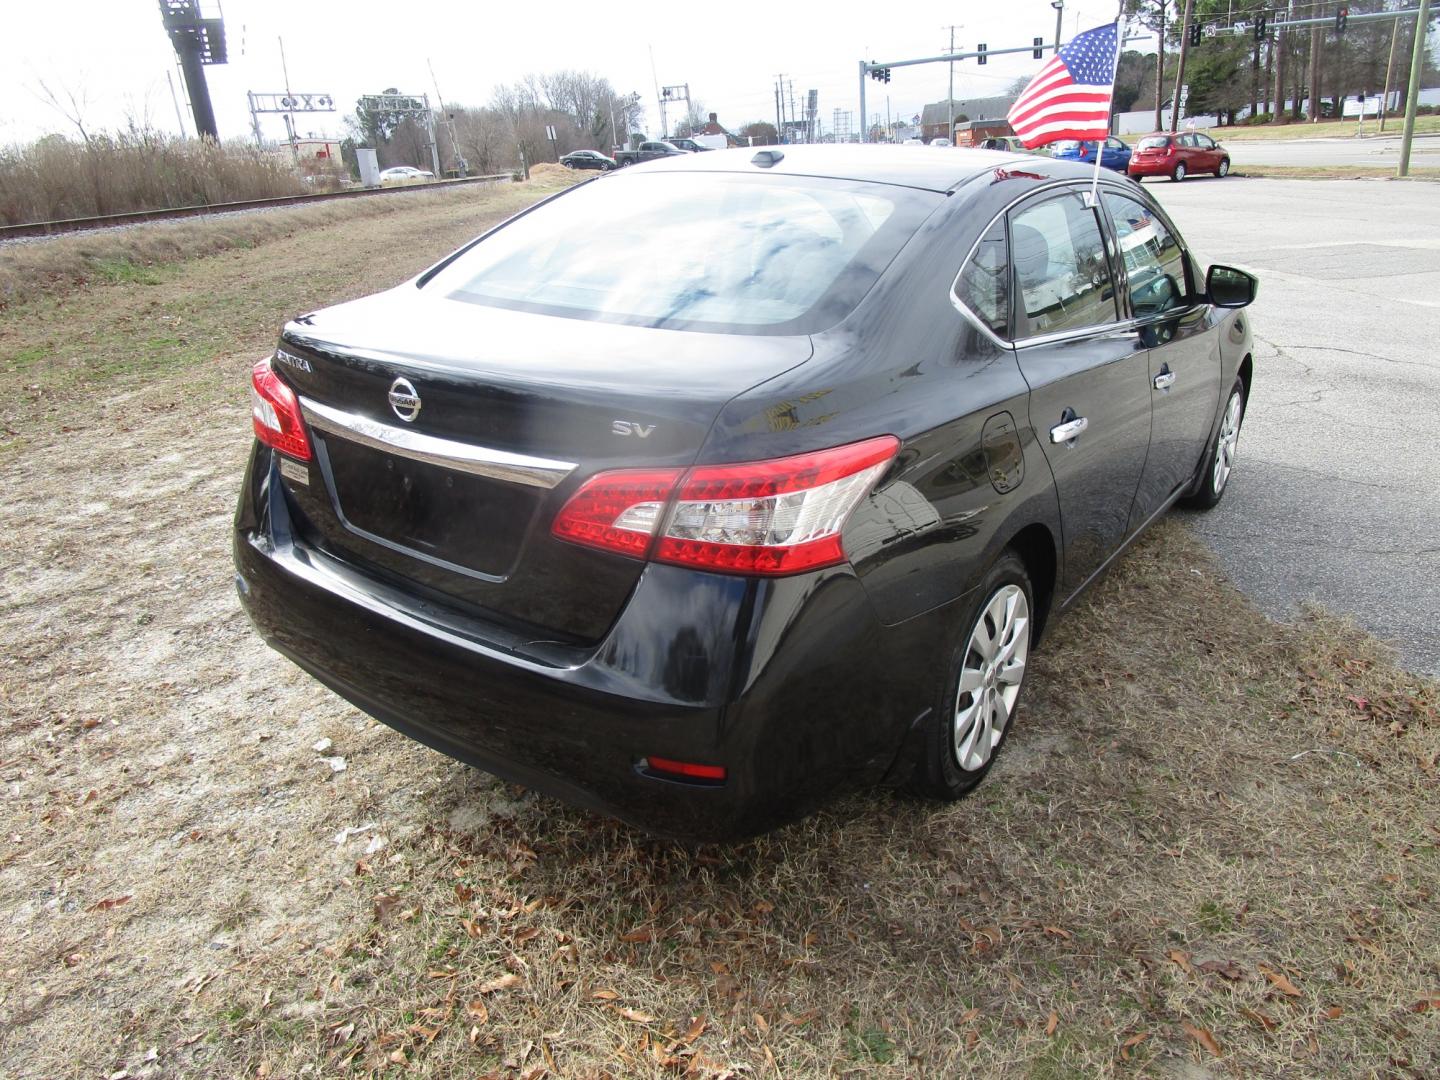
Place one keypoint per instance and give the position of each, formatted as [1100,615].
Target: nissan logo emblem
[404,400]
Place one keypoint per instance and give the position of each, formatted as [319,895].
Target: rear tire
[978,694]
[1179,173]
[1220,458]
[1224,169]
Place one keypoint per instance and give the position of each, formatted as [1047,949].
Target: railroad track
[106,221]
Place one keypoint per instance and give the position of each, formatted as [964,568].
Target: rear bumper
[1158,167]
[786,683]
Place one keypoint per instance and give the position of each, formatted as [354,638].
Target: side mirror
[1227,287]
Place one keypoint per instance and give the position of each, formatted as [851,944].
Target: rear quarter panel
[907,362]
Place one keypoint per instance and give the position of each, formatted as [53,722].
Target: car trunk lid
[448,435]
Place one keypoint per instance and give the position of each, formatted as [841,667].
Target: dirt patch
[1210,848]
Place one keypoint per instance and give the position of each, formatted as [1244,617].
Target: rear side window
[984,282]
[761,254]
[1154,261]
[1061,271]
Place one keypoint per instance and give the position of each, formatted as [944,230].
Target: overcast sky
[113,55]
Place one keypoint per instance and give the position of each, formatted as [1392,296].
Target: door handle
[1070,429]
[1164,380]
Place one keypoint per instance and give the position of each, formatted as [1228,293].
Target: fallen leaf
[1227,969]
[968,1015]
[1281,982]
[1202,1036]
[503,982]
[761,1023]
[1432,1002]
[112,902]
[695,1030]
[385,907]
[972,1039]
[637,1016]
[1334,1012]
[1130,1044]
[605,995]
[477,1011]
[1052,1023]
[642,934]
[1183,959]
[1260,1018]
[439,974]
[523,936]
[1055,931]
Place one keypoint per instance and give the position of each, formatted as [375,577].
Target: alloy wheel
[1225,443]
[990,676]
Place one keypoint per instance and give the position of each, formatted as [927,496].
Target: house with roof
[934,118]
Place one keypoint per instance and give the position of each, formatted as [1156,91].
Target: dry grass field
[1211,849]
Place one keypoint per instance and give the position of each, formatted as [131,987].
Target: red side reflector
[685,768]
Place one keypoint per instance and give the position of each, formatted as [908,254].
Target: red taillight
[618,511]
[277,413]
[759,517]
[687,769]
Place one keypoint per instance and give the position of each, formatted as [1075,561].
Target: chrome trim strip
[463,457]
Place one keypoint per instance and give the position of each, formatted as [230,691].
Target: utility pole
[1417,68]
[1315,39]
[950,96]
[1159,68]
[460,163]
[1059,6]
[1180,70]
[1389,73]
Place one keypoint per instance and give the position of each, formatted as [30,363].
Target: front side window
[1061,271]
[761,254]
[984,283]
[1204,142]
[1154,261]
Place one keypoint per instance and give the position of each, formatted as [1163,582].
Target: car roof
[926,167]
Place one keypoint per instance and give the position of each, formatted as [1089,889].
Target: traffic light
[1260,24]
[1194,34]
[880,74]
[1039,42]
[982,48]
[1340,16]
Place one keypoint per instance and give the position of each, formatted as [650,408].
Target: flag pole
[1109,112]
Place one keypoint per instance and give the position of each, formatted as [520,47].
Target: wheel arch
[1035,544]
[1246,372]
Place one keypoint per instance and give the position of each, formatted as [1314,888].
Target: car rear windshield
[723,252]
[1155,142]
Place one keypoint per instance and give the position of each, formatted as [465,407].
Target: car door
[1210,159]
[1178,331]
[1117,154]
[1089,380]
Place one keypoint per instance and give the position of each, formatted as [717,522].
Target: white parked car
[401,174]
[913,142]
[942,141]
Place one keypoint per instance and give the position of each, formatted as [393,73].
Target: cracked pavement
[1334,497]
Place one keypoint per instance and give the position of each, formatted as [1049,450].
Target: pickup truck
[648,151]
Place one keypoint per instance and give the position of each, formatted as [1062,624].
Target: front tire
[1220,459]
[1224,169]
[980,684]
[1179,173]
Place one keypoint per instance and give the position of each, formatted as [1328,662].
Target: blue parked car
[1116,154]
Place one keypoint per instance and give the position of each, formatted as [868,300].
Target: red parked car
[1178,156]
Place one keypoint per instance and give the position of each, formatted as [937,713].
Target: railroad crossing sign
[288,103]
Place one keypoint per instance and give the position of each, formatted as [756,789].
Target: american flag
[1070,97]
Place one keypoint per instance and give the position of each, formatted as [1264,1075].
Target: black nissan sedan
[588,159]
[700,534]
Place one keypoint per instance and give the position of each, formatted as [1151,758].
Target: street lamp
[1059,6]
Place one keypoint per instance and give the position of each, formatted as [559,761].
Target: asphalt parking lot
[1334,500]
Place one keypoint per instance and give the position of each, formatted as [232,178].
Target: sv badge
[630,427]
